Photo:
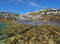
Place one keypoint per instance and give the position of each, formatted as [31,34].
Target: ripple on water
[35,22]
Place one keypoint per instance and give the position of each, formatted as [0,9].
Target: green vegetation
[52,17]
[15,33]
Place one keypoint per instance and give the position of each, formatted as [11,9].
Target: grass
[15,33]
[51,17]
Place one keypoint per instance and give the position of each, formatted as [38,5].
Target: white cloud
[33,4]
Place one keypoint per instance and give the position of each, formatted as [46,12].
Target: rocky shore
[15,33]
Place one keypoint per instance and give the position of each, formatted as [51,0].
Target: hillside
[46,14]
[8,15]
[42,15]
[15,33]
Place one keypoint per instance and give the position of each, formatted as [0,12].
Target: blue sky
[23,6]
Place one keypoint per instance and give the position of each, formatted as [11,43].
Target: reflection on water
[35,22]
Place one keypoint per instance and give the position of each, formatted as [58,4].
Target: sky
[24,6]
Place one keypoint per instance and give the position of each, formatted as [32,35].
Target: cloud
[33,4]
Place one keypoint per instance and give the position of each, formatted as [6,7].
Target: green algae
[3,25]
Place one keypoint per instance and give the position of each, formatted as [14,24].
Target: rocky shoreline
[17,33]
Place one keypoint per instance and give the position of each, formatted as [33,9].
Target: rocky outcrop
[40,15]
[8,15]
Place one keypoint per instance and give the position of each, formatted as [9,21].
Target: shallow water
[3,25]
[36,22]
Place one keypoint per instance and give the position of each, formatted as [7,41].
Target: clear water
[36,22]
[2,27]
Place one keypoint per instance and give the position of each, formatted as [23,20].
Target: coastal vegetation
[51,17]
[17,33]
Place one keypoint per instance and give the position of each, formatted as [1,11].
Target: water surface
[40,22]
